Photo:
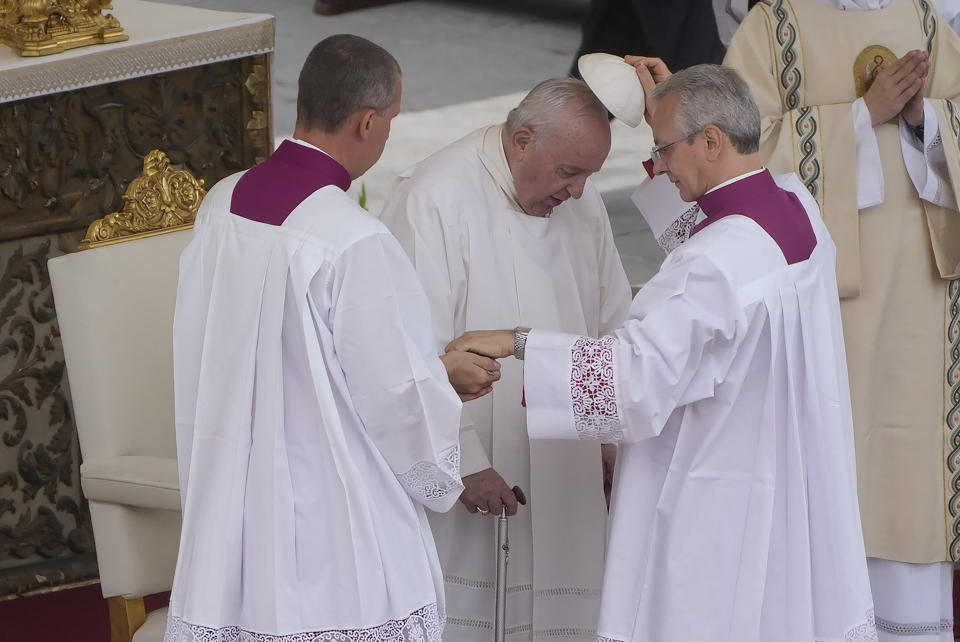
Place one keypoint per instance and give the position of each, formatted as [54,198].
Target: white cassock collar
[948,9]
[856,5]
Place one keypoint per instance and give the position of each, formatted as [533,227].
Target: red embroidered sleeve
[592,391]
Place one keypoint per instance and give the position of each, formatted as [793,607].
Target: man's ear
[522,138]
[714,140]
[364,124]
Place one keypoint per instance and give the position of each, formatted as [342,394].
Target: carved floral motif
[42,513]
[66,160]
[162,198]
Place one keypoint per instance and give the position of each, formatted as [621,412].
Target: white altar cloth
[162,38]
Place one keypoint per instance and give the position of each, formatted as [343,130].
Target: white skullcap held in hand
[616,84]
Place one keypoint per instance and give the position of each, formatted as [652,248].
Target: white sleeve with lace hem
[926,160]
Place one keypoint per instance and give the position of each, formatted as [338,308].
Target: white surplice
[734,516]
[486,264]
[878,191]
[314,423]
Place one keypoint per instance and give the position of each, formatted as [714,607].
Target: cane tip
[521,497]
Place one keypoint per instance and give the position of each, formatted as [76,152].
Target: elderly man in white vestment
[734,511]
[504,228]
[314,419]
[862,103]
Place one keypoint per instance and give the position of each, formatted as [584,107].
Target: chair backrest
[115,301]
[115,310]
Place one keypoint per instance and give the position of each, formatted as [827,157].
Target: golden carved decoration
[257,85]
[41,27]
[868,64]
[161,200]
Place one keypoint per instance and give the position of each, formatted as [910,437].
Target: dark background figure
[681,32]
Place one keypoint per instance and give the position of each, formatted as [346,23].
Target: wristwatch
[519,341]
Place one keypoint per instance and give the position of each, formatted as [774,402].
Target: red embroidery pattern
[592,391]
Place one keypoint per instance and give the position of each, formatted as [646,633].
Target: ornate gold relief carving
[41,27]
[258,86]
[66,159]
[163,199]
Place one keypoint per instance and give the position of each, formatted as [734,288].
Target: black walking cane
[503,554]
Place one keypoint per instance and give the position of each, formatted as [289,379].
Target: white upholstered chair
[115,306]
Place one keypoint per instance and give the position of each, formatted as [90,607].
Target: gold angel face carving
[162,199]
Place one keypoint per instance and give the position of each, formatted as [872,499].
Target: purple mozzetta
[777,211]
[270,191]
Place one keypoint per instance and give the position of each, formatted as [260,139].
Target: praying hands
[898,90]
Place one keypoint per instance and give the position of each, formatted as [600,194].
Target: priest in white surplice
[734,512]
[863,103]
[505,229]
[314,420]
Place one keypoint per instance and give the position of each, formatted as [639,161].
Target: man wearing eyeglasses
[734,511]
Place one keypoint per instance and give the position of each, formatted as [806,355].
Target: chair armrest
[132,480]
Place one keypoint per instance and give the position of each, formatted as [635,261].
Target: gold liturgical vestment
[897,262]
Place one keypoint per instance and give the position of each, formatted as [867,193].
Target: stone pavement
[465,64]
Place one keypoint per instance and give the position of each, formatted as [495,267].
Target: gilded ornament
[257,85]
[41,27]
[871,61]
[162,199]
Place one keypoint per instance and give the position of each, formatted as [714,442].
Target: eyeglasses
[657,152]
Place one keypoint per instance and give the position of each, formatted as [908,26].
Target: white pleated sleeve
[438,248]
[384,340]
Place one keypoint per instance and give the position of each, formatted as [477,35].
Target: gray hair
[714,95]
[342,75]
[546,103]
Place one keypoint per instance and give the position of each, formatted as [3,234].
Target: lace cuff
[926,160]
[429,482]
[678,232]
[864,632]
[592,392]
[423,625]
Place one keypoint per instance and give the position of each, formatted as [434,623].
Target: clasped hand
[487,492]
[471,375]
[898,90]
[495,344]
